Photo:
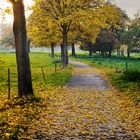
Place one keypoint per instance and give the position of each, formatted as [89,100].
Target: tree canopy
[66,21]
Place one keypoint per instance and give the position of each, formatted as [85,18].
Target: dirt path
[84,113]
[87,78]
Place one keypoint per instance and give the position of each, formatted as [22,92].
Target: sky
[9,18]
[130,6]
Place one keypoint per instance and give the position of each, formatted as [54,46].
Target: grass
[18,113]
[115,67]
[38,61]
[109,62]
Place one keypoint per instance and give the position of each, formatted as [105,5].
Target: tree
[114,21]
[106,41]
[7,36]
[65,14]
[73,50]
[45,33]
[135,26]
[80,20]
[130,37]
[22,56]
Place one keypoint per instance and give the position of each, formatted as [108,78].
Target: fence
[8,76]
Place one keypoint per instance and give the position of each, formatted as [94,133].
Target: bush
[131,75]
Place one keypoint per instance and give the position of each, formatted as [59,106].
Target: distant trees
[135,29]
[126,38]
[131,35]
[106,42]
[123,32]
[107,38]
[7,36]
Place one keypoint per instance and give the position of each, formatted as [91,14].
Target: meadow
[122,72]
[44,75]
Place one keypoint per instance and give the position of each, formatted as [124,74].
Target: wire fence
[40,75]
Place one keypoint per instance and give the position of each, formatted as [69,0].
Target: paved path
[87,79]
[80,112]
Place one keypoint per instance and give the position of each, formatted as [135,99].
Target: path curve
[87,79]
[83,113]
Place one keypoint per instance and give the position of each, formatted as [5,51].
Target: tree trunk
[90,52]
[65,47]
[118,52]
[128,52]
[110,51]
[29,42]
[22,56]
[102,52]
[122,52]
[62,52]
[52,49]
[90,48]
[73,50]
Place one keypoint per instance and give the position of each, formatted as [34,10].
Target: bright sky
[130,6]
[3,4]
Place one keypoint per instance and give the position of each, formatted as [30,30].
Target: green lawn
[115,67]
[38,61]
[109,62]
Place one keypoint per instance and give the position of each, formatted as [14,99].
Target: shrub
[131,75]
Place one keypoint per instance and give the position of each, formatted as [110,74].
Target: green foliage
[129,88]
[131,35]
[131,75]
[107,41]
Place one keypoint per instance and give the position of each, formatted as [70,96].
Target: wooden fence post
[43,74]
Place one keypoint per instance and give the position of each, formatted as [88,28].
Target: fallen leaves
[15,116]
[64,113]
[78,113]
